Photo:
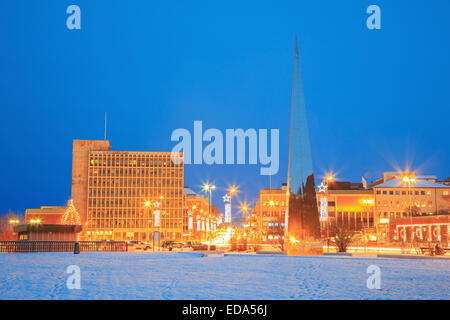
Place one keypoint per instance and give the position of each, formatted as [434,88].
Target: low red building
[45,214]
[422,228]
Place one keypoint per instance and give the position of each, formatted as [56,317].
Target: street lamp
[328,179]
[232,190]
[147,224]
[409,180]
[208,188]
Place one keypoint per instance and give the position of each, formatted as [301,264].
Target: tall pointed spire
[303,218]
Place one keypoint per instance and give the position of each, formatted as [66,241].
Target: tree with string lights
[71,216]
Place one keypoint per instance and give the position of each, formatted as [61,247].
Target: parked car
[139,245]
[170,245]
[195,245]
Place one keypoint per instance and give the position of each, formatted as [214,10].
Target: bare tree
[341,236]
[6,227]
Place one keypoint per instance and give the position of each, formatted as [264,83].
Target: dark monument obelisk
[303,226]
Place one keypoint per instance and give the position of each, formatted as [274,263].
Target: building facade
[123,195]
[199,223]
[351,209]
[402,207]
[45,214]
[267,221]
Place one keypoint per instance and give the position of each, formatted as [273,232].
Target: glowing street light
[228,198]
[409,180]
[208,188]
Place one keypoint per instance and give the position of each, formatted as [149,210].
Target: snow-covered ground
[170,275]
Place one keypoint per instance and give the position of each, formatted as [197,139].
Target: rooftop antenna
[105,128]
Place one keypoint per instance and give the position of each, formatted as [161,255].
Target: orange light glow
[293,240]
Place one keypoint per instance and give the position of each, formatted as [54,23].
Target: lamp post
[147,222]
[328,179]
[271,205]
[209,189]
[231,191]
[156,204]
[409,180]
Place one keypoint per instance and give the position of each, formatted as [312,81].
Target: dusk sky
[376,99]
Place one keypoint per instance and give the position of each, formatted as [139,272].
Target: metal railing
[60,246]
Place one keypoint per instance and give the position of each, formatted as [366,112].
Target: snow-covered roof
[426,177]
[396,183]
[189,192]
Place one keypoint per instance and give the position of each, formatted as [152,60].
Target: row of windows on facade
[176,183]
[275,224]
[355,224]
[273,214]
[132,224]
[353,219]
[169,204]
[422,204]
[177,212]
[272,203]
[137,172]
[403,192]
[350,213]
[155,193]
[139,162]
[403,214]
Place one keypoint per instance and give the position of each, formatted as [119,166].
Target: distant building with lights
[379,212]
[199,224]
[348,205]
[267,221]
[110,189]
[402,208]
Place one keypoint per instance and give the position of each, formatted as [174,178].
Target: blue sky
[376,99]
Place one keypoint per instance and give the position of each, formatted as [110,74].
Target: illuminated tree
[71,216]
